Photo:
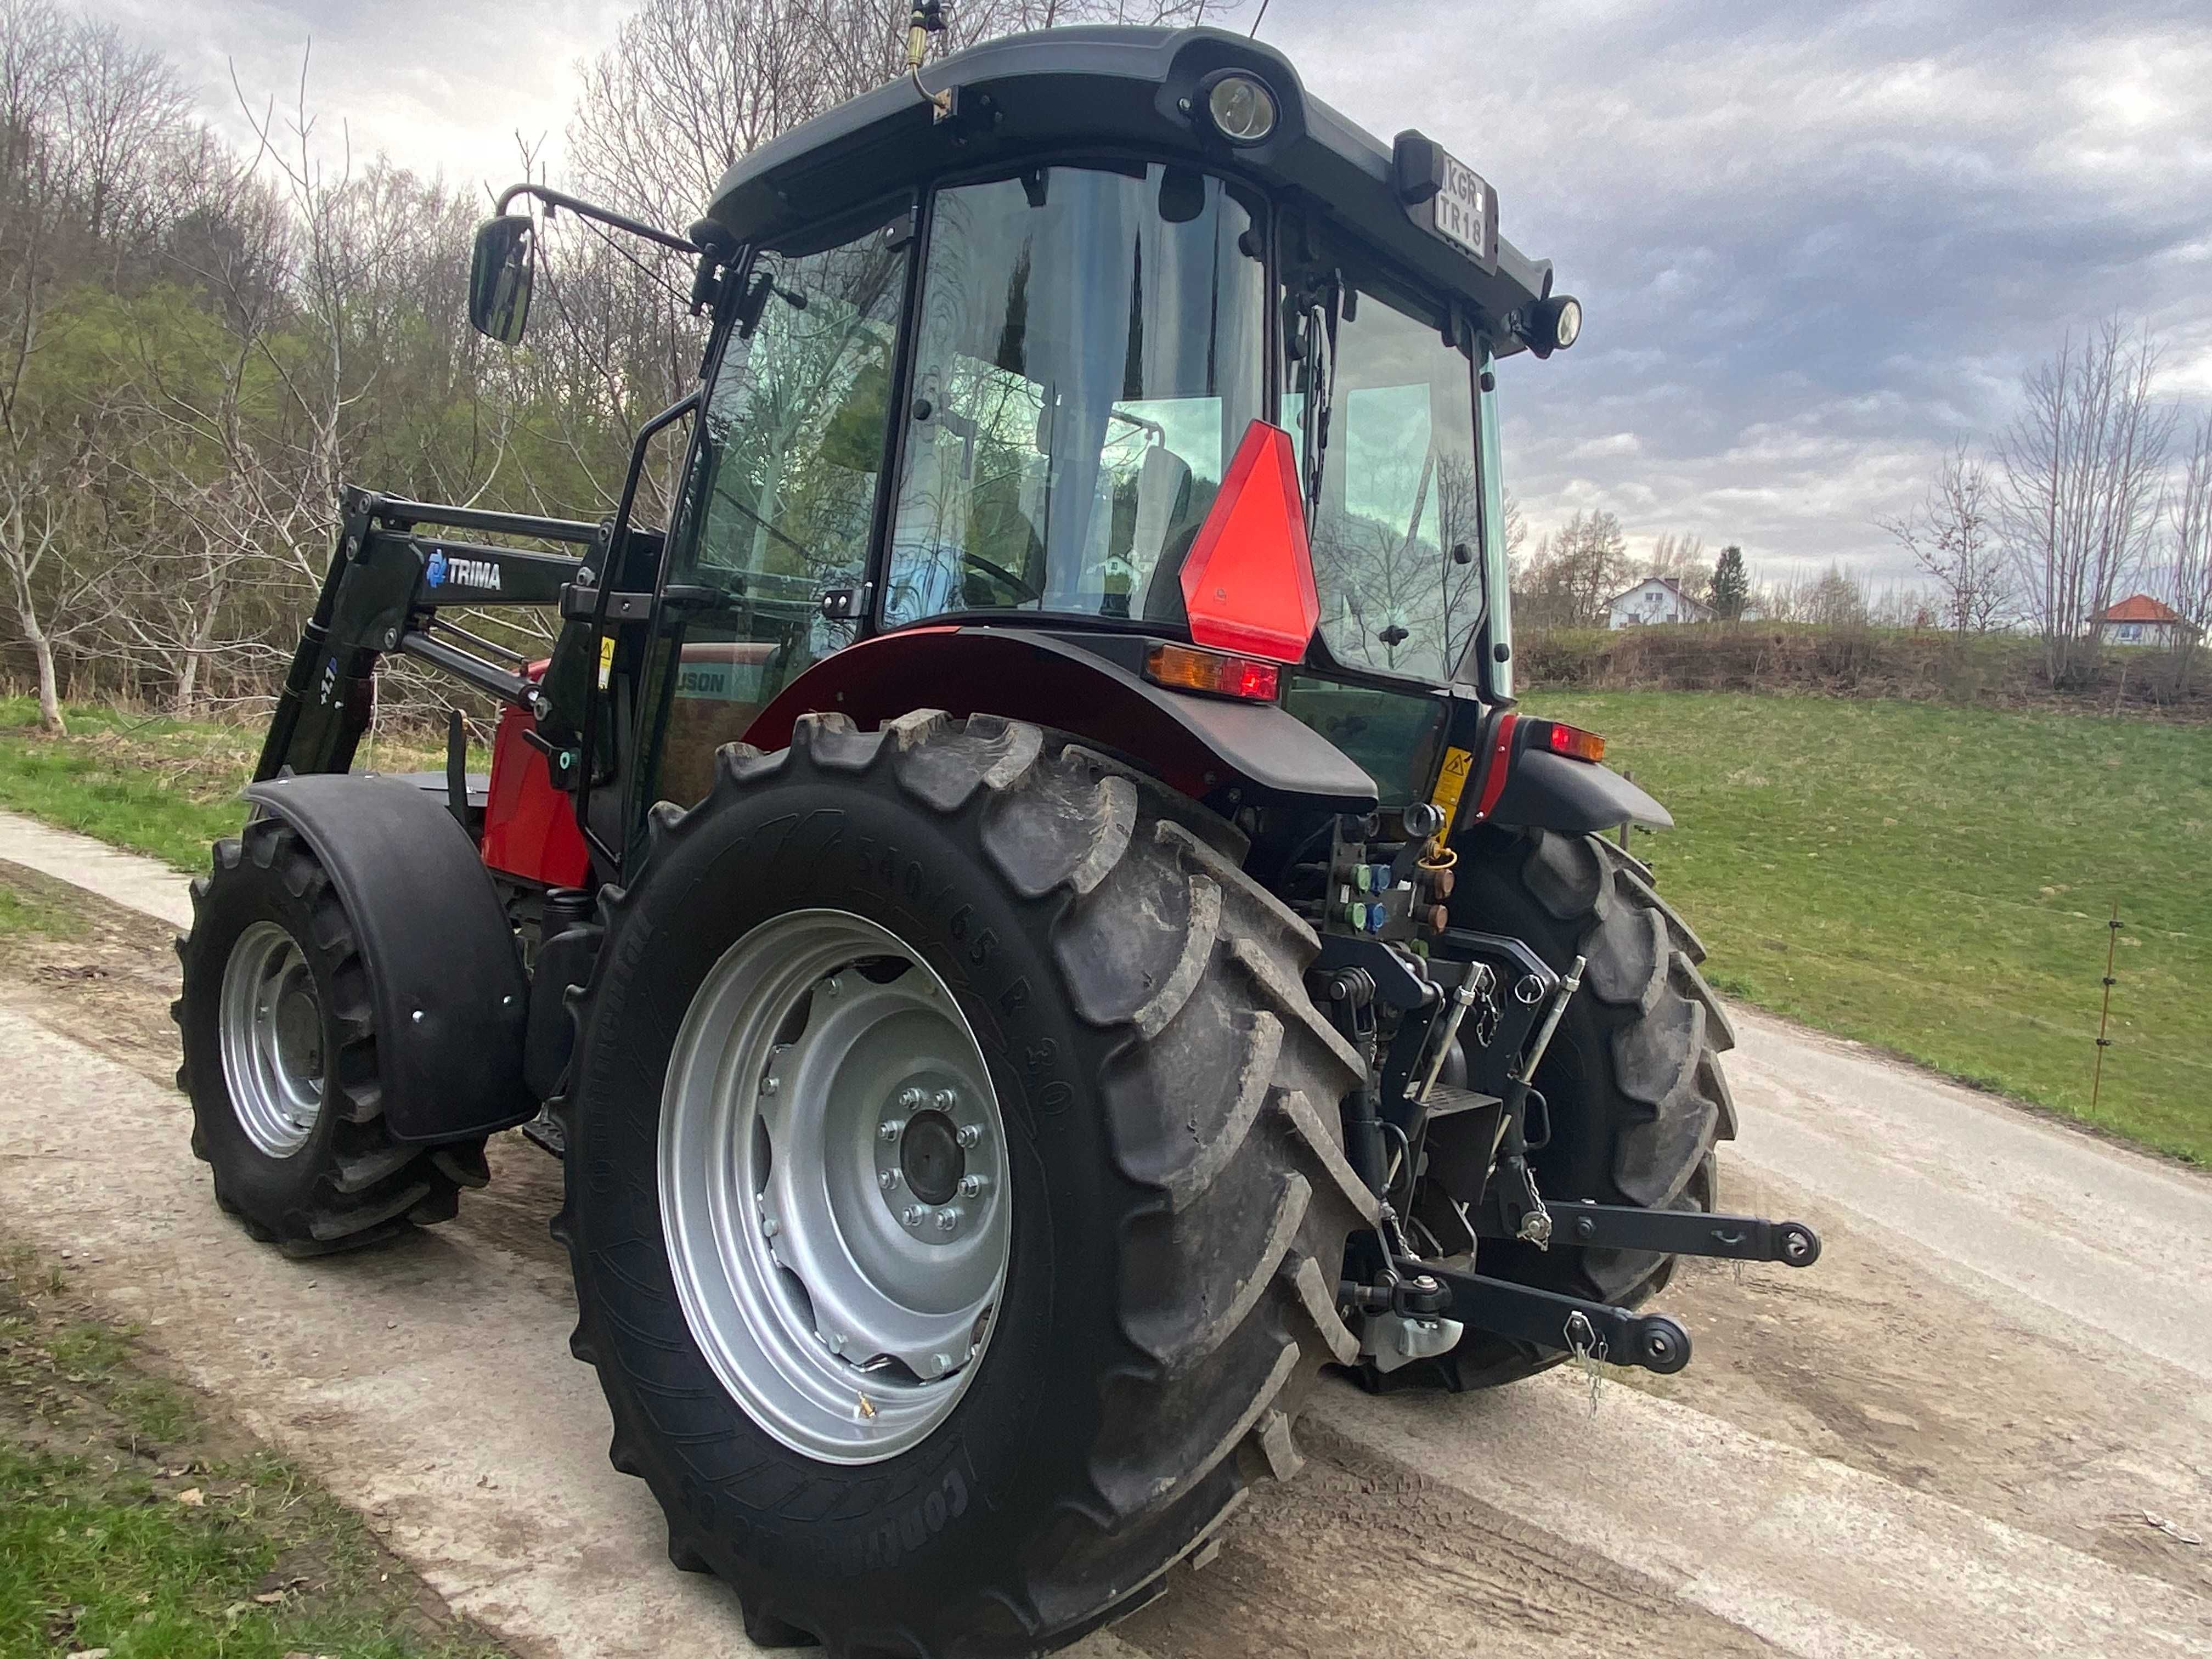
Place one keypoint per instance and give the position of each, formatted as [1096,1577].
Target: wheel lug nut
[946,1100]
[942,1361]
[912,1214]
[770,1227]
[970,1133]
[971,1186]
[912,1100]
[947,1219]
[891,1130]
[834,986]
[768,1086]
[888,1180]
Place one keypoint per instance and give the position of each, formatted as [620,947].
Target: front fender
[444,977]
[1210,749]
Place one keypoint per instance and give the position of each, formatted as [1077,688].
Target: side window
[782,492]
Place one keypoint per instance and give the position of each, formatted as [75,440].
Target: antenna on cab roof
[928,18]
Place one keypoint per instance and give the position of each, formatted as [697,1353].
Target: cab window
[781,491]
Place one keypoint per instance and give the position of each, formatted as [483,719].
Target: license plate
[1465,214]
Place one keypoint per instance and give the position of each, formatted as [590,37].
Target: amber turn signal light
[1573,742]
[1181,668]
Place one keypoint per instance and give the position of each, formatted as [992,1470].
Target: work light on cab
[1248,584]
[1552,324]
[1241,109]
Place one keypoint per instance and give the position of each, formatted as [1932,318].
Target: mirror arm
[557,198]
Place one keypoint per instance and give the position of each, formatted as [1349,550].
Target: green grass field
[1937,880]
[1931,878]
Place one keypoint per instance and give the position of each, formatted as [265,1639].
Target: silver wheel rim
[833,1186]
[272,1040]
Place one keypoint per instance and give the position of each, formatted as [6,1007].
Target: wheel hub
[830,1175]
[270,1027]
[930,1157]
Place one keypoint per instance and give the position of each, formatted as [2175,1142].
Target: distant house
[2141,620]
[1656,600]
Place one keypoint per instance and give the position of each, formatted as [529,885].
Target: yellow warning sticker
[1451,782]
[607,663]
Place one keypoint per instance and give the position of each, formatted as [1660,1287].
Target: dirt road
[1979,1426]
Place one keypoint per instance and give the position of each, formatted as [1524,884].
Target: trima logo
[462,573]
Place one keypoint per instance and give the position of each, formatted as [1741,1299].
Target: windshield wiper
[1320,372]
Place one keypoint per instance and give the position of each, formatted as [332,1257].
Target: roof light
[1180,668]
[1247,582]
[1552,324]
[1569,740]
[1241,109]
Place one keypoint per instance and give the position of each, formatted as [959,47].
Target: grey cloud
[1816,243]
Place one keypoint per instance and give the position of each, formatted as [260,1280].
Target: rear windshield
[1091,351]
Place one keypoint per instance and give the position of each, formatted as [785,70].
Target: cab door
[781,494]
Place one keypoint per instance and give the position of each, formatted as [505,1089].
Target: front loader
[1028,908]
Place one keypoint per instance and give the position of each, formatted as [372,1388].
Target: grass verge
[167,788]
[1938,881]
[132,1523]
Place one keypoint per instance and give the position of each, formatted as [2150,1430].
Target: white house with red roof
[2141,620]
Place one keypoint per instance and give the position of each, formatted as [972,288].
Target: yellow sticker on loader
[606,661]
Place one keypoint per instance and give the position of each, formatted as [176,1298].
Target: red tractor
[1028,906]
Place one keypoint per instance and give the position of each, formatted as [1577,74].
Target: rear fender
[1526,788]
[1224,753]
[445,978]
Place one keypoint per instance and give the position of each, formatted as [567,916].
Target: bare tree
[2189,575]
[2078,500]
[1952,536]
[1836,600]
[1681,557]
[1577,569]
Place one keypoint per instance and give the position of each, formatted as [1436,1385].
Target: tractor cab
[991,349]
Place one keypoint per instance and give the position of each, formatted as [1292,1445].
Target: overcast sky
[1816,243]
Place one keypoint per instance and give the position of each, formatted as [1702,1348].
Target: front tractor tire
[280,1059]
[950,970]
[1632,1078]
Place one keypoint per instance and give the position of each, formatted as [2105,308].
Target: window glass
[1397,542]
[778,506]
[1091,350]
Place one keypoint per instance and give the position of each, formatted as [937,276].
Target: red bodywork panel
[530,827]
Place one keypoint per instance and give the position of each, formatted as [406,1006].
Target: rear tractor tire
[280,1060]
[1632,1078]
[955,1190]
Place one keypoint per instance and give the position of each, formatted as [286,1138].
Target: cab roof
[1110,87]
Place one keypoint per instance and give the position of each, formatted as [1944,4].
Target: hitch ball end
[1799,1246]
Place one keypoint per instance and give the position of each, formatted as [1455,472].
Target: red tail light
[1569,741]
[1248,583]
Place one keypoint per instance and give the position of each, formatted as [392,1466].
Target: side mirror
[500,271]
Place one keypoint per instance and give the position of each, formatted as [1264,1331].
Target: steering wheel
[1003,574]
